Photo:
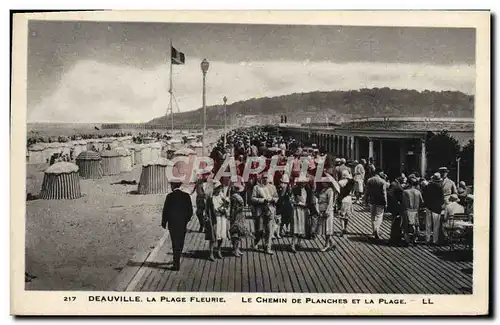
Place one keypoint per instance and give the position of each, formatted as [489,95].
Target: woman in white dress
[216,229]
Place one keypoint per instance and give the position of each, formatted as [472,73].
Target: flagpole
[171,89]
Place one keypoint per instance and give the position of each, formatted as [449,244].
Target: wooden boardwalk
[357,265]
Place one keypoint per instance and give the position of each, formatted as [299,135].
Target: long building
[394,143]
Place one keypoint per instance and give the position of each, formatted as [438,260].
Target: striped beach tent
[61,181]
[89,164]
[111,162]
[153,177]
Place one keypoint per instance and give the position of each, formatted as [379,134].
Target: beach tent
[125,159]
[111,162]
[35,153]
[184,152]
[61,181]
[153,178]
[89,165]
[155,151]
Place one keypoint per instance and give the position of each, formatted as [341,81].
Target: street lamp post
[204,68]
[225,113]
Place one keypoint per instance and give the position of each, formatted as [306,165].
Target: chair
[456,233]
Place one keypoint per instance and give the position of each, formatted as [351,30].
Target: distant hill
[337,106]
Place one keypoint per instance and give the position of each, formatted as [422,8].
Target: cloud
[99,92]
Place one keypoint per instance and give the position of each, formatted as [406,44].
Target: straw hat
[436,178]
[443,169]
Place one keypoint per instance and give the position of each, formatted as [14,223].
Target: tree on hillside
[467,163]
[442,151]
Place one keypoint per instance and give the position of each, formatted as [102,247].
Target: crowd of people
[289,204]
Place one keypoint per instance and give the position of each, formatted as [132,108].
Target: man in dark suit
[177,211]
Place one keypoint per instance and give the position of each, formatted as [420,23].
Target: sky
[96,72]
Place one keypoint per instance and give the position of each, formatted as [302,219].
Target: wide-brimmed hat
[443,169]
[436,178]
[363,161]
[470,197]
[333,182]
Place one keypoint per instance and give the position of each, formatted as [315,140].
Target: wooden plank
[305,269]
[319,268]
[230,272]
[285,285]
[378,261]
[141,273]
[331,260]
[188,274]
[313,266]
[401,258]
[129,271]
[289,267]
[243,274]
[170,281]
[385,263]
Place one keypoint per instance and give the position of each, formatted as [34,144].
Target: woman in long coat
[345,200]
[264,198]
[326,203]
[238,227]
[300,214]
[216,229]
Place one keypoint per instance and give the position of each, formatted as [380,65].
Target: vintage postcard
[250,163]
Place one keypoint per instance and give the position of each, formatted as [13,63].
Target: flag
[177,57]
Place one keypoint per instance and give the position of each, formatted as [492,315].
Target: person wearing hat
[449,186]
[453,207]
[284,207]
[462,192]
[326,202]
[201,197]
[264,198]
[177,211]
[340,169]
[216,229]
[359,179]
[345,200]
[376,195]
[238,228]
[300,213]
[434,201]
[411,204]
[394,207]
